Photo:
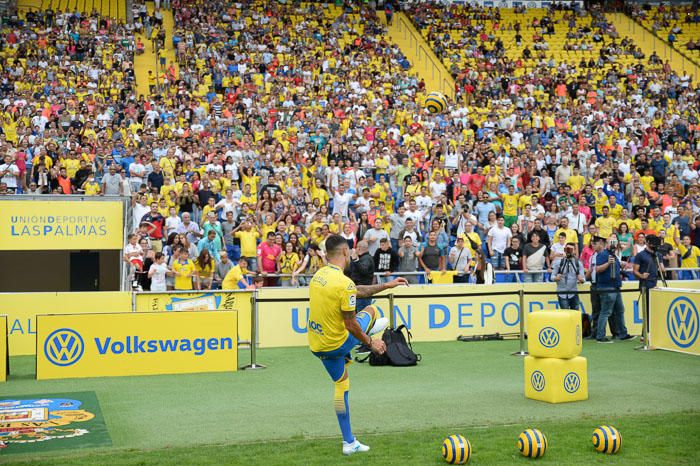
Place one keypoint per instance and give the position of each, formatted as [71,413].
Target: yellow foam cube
[556,380]
[554,334]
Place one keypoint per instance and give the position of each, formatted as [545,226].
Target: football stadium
[349,232]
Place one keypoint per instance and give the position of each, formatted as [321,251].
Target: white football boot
[354,447]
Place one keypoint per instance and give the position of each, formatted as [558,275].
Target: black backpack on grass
[399,351]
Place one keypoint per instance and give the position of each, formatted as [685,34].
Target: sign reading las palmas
[60,225]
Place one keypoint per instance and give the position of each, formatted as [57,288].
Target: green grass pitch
[284,414]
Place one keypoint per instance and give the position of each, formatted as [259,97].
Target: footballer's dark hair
[334,244]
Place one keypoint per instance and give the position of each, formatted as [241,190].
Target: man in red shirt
[267,258]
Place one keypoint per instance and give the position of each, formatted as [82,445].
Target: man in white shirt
[362,203]
[139,205]
[577,222]
[137,171]
[341,201]
[437,187]
[9,173]
[190,228]
[498,239]
[424,202]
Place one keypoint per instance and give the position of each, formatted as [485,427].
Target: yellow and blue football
[607,439]
[532,443]
[435,102]
[456,449]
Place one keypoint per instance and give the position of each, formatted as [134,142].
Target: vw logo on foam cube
[554,334]
[556,380]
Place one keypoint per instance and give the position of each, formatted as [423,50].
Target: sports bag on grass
[399,351]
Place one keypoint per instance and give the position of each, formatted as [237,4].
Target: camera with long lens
[612,248]
[569,251]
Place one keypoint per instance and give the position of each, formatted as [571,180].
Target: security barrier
[674,319]
[100,345]
[200,301]
[432,312]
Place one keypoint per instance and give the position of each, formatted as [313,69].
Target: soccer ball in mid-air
[532,443]
[607,439]
[456,449]
[435,102]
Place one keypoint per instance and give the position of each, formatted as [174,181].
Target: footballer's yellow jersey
[330,294]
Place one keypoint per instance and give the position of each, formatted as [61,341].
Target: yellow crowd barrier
[674,319]
[432,312]
[93,345]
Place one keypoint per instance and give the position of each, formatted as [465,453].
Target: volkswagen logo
[572,382]
[549,337]
[537,381]
[683,322]
[64,347]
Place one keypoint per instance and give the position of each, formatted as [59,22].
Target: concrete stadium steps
[649,43]
[148,61]
[145,62]
[425,63]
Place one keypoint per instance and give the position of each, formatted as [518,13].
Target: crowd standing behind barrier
[280,124]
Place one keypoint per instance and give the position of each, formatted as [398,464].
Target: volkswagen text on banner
[674,319]
[61,225]
[98,345]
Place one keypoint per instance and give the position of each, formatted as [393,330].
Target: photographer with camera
[568,272]
[608,284]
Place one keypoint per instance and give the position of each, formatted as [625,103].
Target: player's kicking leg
[371,326]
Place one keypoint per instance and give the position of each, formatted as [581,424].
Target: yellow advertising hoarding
[433,312]
[674,319]
[4,356]
[201,301]
[22,308]
[103,345]
[61,225]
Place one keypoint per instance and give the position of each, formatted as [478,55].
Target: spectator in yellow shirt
[689,255]
[606,223]
[184,270]
[615,209]
[249,243]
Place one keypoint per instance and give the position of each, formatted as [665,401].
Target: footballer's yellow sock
[342,408]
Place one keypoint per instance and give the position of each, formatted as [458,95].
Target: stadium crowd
[280,124]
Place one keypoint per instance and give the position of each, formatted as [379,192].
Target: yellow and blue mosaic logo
[537,381]
[572,382]
[683,322]
[64,347]
[549,337]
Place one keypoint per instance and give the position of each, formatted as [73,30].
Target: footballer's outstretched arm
[365,291]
